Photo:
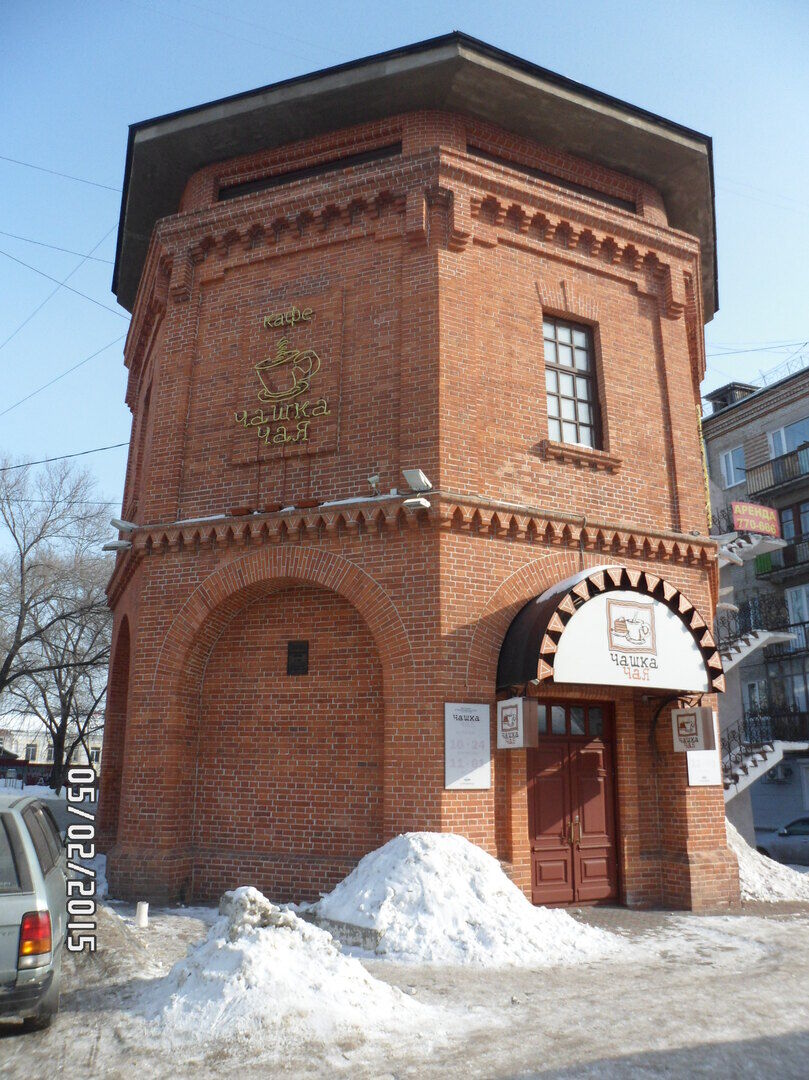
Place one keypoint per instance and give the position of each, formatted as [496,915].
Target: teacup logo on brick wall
[285,376]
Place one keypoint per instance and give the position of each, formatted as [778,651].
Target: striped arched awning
[612,626]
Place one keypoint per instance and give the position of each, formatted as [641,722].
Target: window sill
[581,456]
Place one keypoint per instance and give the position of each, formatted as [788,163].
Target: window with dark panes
[804,512]
[51,830]
[9,875]
[39,838]
[570,383]
[787,523]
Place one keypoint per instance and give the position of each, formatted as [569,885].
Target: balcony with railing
[793,556]
[764,612]
[778,472]
[748,744]
[799,645]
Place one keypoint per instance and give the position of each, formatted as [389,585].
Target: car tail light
[35,939]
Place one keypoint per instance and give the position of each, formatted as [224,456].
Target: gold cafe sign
[288,381]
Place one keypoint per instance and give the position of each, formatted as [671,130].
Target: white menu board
[467,746]
[704,768]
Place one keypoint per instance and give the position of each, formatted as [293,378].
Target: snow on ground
[264,974]
[38,791]
[762,878]
[436,898]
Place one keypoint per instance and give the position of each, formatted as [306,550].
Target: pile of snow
[762,878]
[436,898]
[264,974]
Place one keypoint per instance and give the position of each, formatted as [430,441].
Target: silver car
[789,845]
[33,910]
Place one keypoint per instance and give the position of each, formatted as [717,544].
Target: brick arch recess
[206,613]
[227,590]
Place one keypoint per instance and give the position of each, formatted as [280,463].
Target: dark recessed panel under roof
[453,73]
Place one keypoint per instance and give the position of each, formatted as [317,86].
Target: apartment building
[757,451]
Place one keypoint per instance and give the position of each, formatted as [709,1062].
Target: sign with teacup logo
[517,723]
[625,638]
[290,402]
[693,729]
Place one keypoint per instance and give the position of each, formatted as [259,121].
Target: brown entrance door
[571,807]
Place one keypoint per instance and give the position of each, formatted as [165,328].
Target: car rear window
[9,874]
[51,830]
[36,828]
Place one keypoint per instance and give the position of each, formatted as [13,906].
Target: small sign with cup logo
[517,723]
[693,729]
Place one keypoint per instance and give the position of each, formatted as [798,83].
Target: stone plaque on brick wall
[287,400]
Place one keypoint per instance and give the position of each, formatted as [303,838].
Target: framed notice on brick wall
[467,747]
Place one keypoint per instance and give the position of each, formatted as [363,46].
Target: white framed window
[570,383]
[797,599]
[31,752]
[95,754]
[733,471]
[786,439]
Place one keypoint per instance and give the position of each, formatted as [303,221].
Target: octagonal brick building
[414,371]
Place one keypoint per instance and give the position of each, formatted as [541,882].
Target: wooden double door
[571,805]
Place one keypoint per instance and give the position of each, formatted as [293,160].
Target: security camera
[416,480]
[123,526]
[373,482]
[117,545]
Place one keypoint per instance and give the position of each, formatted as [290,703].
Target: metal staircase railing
[750,740]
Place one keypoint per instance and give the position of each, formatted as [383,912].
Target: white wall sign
[624,638]
[704,768]
[693,729]
[517,723]
[467,746]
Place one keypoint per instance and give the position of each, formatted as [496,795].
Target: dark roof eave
[455,72]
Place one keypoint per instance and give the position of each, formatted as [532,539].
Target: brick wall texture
[427,274]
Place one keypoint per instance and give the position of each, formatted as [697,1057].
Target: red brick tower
[441,259]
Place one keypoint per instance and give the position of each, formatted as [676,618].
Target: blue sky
[75,75]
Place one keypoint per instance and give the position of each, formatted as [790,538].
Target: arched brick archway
[529,581]
[504,603]
[508,598]
[169,707]
[213,603]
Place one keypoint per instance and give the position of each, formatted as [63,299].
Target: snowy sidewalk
[687,995]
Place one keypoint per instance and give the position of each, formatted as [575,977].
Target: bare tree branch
[55,625]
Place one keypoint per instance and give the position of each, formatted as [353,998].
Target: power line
[61,285]
[760,348]
[53,292]
[53,247]
[63,457]
[213,30]
[261,26]
[55,172]
[67,372]
[746,344]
